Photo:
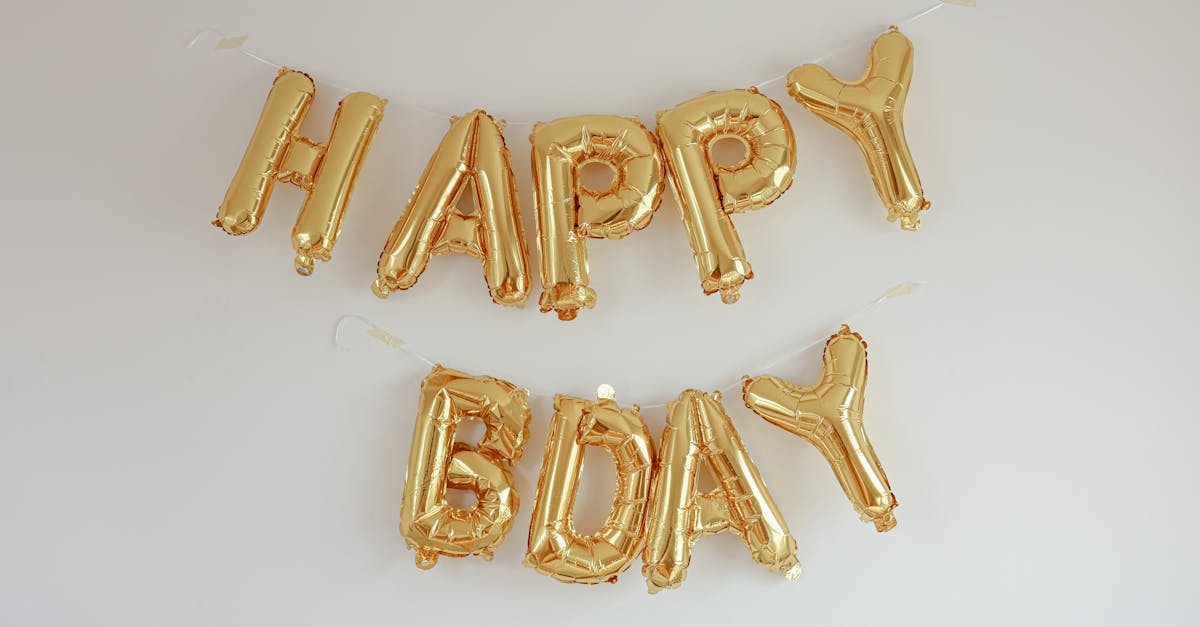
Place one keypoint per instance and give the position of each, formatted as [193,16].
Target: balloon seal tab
[304,264]
[426,559]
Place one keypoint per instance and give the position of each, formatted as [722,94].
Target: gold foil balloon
[472,154]
[568,211]
[326,172]
[430,525]
[829,414]
[708,191]
[871,111]
[555,548]
[699,430]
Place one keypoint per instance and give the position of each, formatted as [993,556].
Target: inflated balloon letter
[698,429]
[568,211]
[471,154]
[555,548]
[430,525]
[708,191]
[326,172]
[871,111]
[829,414]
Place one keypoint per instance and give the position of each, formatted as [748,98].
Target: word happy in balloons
[473,155]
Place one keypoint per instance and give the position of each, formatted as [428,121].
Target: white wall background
[181,445]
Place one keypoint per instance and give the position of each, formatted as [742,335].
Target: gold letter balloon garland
[658,512]
[473,155]
[657,509]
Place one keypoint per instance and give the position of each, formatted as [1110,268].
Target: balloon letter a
[472,151]
[698,429]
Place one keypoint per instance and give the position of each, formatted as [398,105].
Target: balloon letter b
[430,525]
[326,172]
[708,192]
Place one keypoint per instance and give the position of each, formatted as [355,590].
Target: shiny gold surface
[555,548]
[320,219]
[829,414]
[708,192]
[472,151]
[871,111]
[430,525]
[326,172]
[300,163]
[699,430]
[568,212]
[250,190]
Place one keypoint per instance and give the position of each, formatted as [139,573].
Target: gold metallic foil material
[431,526]
[326,172]
[568,212]
[708,191]
[698,429]
[871,111]
[286,106]
[830,415]
[472,154]
[555,548]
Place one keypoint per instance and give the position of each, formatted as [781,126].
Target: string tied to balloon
[237,43]
[385,337]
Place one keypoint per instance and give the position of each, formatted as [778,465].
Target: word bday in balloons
[657,511]
[473,155]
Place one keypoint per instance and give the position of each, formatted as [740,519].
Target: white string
[858,43]
[381,334]
[441,114]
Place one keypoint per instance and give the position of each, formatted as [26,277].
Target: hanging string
[382,335]
[226,42]
[859,43]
